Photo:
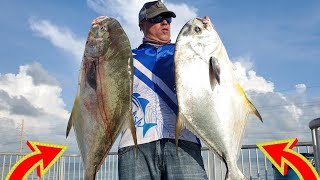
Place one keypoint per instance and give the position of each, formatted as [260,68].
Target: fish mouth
[99,20]
[206,22]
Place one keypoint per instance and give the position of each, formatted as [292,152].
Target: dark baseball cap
[152,9]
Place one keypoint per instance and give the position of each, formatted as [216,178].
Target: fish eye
[102,28]
[197,29]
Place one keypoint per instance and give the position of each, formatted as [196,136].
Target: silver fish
[211,102]
[102,107]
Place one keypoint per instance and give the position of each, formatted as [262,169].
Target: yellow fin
[248,102]
[70,123]
[134,135]
[179,127]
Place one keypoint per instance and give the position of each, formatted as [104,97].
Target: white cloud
[40,75]
[285,116]
[126,12]
[60,37]
[184,13]
[248,78]
[39,104]
[301,88]
[44,96]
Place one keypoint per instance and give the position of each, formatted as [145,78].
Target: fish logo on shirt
[139,111]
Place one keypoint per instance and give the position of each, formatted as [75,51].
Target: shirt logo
[139,113]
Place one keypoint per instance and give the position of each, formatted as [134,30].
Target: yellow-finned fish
[102,107]
[211,102]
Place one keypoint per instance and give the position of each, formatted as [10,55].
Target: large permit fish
[211,102]
[102,107]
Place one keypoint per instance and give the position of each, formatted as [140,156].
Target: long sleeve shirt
[154,101]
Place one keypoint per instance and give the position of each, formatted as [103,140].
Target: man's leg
[141,168]
[186,163]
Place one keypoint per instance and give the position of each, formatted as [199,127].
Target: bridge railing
[252,163]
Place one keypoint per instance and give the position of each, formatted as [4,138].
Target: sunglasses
[159,19]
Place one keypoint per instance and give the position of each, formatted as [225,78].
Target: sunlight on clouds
[284,115]
[39,104]
[59,36]
[248,78]
[44,96]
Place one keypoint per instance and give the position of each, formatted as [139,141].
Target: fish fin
[71,119]
[214,72]
[134,135]
[254,110]
[234,173]
[69,125]
[179,127]
[248,102]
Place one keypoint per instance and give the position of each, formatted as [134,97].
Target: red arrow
[42,157]
[281,155]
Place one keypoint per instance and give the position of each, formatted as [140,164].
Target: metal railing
[252,163]
[314,126]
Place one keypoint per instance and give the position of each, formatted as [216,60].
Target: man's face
[156,31]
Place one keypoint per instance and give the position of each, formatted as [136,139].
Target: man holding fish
[154,107]
[159,96]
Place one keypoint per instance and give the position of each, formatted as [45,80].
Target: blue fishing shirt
[154,101]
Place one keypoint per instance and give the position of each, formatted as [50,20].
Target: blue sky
[274,45]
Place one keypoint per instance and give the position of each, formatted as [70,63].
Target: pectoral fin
[248,102]
[72,116]
[214,72]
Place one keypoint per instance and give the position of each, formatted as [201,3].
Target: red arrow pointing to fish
[281,155]
[42,157]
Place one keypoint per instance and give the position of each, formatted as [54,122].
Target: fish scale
[102,107]
[211,103]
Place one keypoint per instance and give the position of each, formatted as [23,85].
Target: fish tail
[235,175]
[134,135]
[233,172]
[248,102]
